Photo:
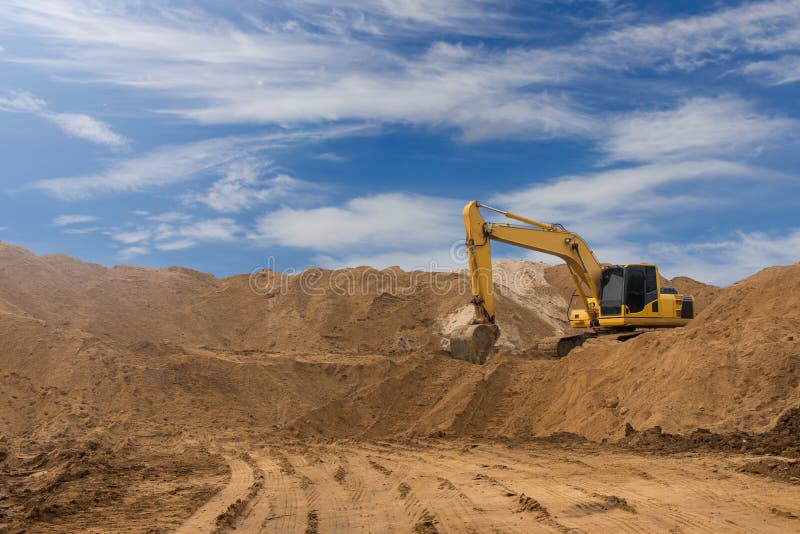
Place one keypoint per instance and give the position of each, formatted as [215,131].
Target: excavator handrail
[520,218]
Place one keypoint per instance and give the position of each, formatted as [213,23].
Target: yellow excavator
[618,300]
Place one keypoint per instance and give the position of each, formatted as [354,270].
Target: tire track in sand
[203,519]
[282,505]
[431,502]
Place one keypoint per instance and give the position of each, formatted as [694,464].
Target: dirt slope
[737,366]
[85,343]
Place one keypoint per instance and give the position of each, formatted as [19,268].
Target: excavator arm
[474,342]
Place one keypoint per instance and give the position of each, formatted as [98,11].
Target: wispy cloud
[64,220]
[179,244]
[784,70]
[80,230]
[330,156]
[733,257]
[341,70]
[697,128]
[219,229]
[158,168]
[727,260]
[132,252]
[73,124]
[87,128]
[168,217]
[130,237]
[172,232]
[379,17]
[168,165]
[623,198]
[243,187]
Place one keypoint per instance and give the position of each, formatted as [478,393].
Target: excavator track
[560,346]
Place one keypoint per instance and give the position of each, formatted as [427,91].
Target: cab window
[635,288]
[651,284]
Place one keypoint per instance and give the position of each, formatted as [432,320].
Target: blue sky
[332,133]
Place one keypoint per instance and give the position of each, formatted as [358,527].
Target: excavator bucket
[474,343]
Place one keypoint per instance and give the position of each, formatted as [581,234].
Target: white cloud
[242,188]
[784,70]
[219,229]
[64,220]
[379,223]
[180,163]
[3,228]
[180,244]
[691,42]
[169,217]
[719,262]
[157,168]
[614,195]
[130,237]
[21,102]
[176,234]
[87,128]
[81,230]
[228,73]
[726,261]
[132,252]
[477,17]
[73,124]
[699,127]
[330,156]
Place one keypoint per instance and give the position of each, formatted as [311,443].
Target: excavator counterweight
[617,300]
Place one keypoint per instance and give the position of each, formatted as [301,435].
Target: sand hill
[98,361]
[125,343]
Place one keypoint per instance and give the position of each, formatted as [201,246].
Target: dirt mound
[735,367]
[782,440]
[91,347]
[350,310]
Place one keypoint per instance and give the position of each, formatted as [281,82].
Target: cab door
[641,290]
[635,289]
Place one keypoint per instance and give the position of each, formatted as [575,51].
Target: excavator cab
[632,286]
[631,296]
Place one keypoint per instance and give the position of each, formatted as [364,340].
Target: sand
[137,398]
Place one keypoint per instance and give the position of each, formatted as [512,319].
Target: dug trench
[157,400]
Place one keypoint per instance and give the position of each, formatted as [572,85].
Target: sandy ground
[142,400]
[480,486]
